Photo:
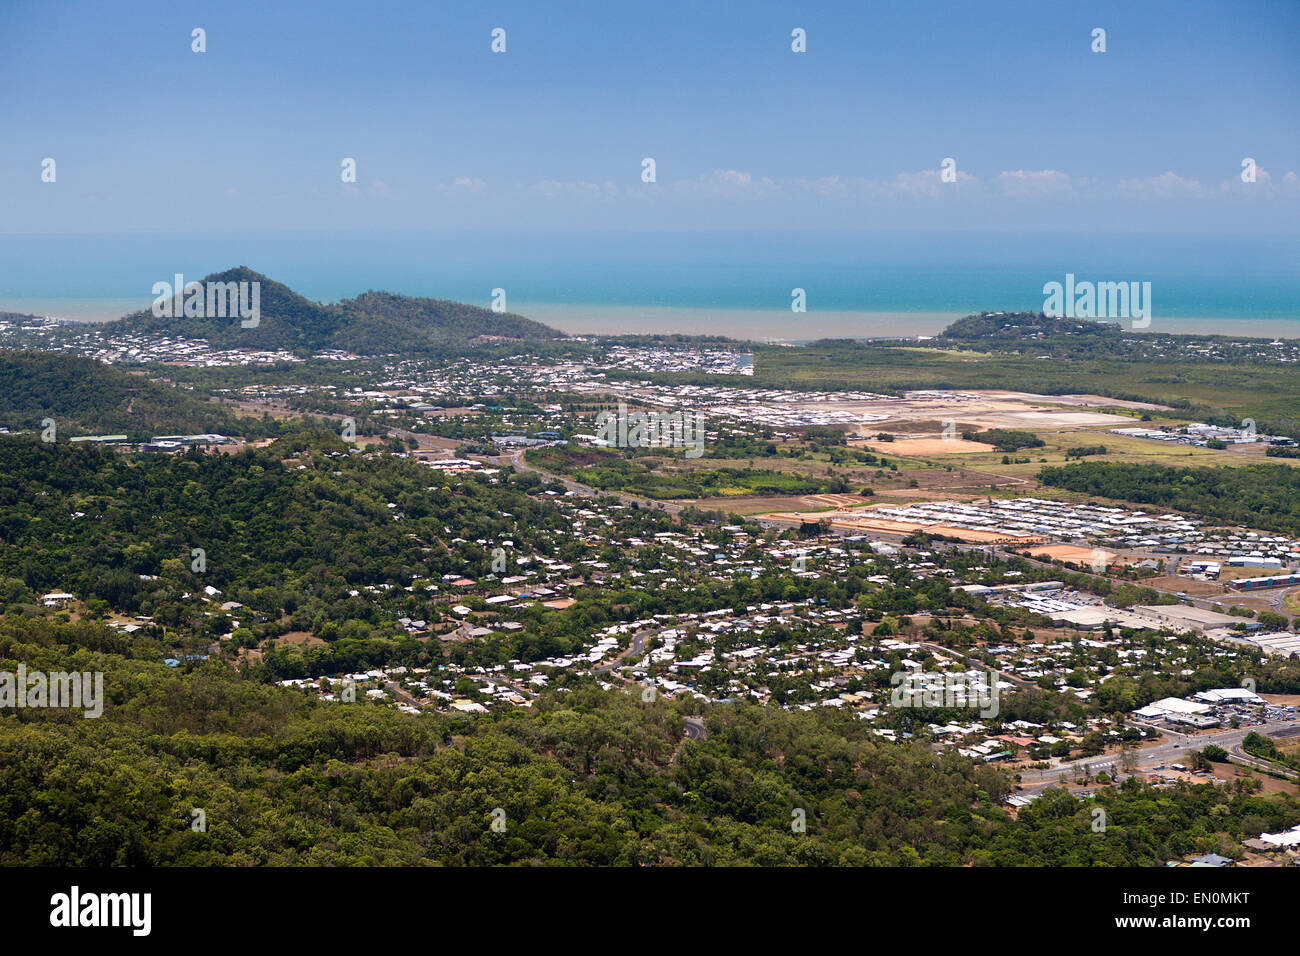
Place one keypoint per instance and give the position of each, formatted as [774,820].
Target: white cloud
[726,183]
[471,184]
[1165,186]
[577,189]
[1264,186]
[927,182]
[834,187]
[1034,182]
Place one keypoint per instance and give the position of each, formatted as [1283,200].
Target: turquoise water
[728,283]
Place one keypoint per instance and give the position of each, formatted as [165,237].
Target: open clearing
[1087,401]
[1076,555]
[928,446]
[864,521]
[985,410]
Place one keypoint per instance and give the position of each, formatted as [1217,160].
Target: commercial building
[1183,617]
[1255,561]
[1262,584]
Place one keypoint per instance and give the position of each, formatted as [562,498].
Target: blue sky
[1048,136]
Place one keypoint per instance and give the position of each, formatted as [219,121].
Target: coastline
[738,322]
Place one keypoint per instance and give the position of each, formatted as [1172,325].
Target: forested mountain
[375,323]
[88,397]
[383,316]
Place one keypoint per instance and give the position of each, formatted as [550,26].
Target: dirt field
[928,446]
[299,639]
[1231,771]
[1076,554]
[1186,585]
[863,521]
[972,409]
[808,505]
[1087,401]
[836,501]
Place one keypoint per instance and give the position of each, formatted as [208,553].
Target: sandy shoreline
[771,325]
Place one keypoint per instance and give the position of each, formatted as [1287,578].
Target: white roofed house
[1290,838]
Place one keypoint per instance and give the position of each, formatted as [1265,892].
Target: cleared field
[1076,554]
[1269,785]
[1119,448]
[1252,603]
[929,446]
[837,501]
[978,410]
[1188,586]
[864,521]
[1086,401]
[812,505]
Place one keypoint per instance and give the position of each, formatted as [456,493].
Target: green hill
[374,323]
[434,322]
[994,329]
[87,397]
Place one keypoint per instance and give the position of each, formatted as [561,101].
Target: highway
[1177,746]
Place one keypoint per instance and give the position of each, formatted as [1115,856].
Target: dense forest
[1257,496]
[1004,439]
[288,531]
[641,472]
[1013,331]
[88,397]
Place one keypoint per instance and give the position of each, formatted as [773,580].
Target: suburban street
[1178,746]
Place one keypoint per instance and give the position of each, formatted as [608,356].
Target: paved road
[959,656]
[1180,745]
[695,729]
[1237,755]
[516,458]
[636,648]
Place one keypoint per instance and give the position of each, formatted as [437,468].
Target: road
[961,657]
[516,459]
[1237,755]
[636,648]
[1179,745]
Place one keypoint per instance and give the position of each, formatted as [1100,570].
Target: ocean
[855,285]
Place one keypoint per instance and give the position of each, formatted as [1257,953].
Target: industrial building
[1260,584]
